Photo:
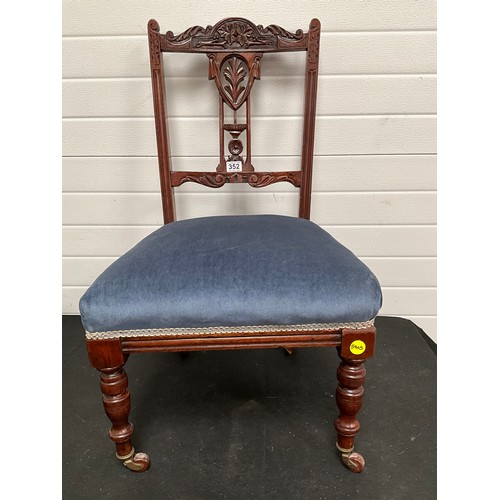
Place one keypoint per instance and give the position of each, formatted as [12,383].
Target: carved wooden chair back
[235,48]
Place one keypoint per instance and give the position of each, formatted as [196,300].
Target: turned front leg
[349,395]
[116,400]
[356,347]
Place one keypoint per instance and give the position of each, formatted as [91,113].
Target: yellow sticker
[357,347]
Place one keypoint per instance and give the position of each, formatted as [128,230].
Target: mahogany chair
[233,282]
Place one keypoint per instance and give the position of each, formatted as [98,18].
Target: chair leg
[116,400]
[351,375]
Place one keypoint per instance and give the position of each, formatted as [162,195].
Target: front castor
[138,462]
[353,461]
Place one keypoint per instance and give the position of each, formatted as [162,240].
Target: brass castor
[288,350]
[138,462]
[352,460]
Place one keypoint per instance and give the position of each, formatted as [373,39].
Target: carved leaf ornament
[235,74]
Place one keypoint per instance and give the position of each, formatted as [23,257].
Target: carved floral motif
[233,33]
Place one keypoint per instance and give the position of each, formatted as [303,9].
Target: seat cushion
[231,271]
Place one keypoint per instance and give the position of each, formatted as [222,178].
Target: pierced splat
[234,75]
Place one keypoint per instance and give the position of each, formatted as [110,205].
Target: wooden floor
[254,424]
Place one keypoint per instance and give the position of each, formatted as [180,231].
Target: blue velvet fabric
[232,271]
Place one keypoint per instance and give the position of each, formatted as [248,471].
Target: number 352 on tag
[234,166]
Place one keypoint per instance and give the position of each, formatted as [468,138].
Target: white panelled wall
[375,166]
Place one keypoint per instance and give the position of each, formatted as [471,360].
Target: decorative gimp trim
[228,330]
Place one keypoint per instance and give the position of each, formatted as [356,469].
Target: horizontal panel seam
[343,155]
[338,226]
[425,258]
[430,316]
[192,190]
[281,193]
[360,256]
[323,33]
[256,115]
[407,76]
[360,155]
[331,226]
[260,117]
[430,288]
[395,287]
[321,75]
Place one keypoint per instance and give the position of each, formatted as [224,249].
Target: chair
[237,281]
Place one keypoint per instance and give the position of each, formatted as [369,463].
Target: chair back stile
[234,47]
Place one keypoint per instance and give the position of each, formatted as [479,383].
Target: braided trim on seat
[228,330]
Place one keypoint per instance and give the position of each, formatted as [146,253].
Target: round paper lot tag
[357,347]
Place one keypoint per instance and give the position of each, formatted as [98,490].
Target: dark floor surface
[254,424]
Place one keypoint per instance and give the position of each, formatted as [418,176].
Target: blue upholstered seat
[232,271]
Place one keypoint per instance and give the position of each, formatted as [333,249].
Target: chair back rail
[234,47]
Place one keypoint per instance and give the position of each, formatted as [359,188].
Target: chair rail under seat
[265,339]
[152,344]
[232,337]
